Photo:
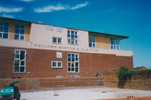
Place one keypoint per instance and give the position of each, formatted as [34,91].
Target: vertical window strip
[72,37]
[4,29]
[57,40]
[19,32]
[56,64]
[73,62]
[19,61]
[91,41]
[115,43]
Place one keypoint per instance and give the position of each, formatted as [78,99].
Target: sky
[121,17]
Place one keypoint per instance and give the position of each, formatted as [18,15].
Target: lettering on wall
[65,48]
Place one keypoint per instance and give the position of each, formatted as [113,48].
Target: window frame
[74,63]
[19,33]
[115,43]
[56,64]
[57,38]
[18,59]
[3,32]
[59,29]
[72,37]
[58,54]
[92,42]
[49,27]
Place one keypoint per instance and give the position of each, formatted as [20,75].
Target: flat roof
[91,32]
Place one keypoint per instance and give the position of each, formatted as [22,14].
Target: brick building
[35,50]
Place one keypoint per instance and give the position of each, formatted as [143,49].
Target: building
[35,50]
[140,68]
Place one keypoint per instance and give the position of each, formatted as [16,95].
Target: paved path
[82,94]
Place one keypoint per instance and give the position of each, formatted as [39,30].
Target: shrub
[124,73]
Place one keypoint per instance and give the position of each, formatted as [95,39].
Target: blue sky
[122,17]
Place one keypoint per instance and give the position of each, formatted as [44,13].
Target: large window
[19,32]
[73,62]
[91,41]
[4,30]
[56,40]
[115,43]
[72,37]
[19,61]
[56,64]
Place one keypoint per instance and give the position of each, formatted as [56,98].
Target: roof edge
[103,34]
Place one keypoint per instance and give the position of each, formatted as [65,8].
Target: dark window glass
[68,35]
[1,29]
[21,37]
[6,29]
[76,41]
[22,27]
[68,69]
[59,64]
[16,69]
[22,55]
[16,26]
[76,70]
[22,63]
[16,63]
[54,40]
[22,69]
[0,35]
[72,41]
[5,35]
[16,31]
[21,31]
[54,64]
[59,40]
[1,24]
[16,37]
[90,44]
[5,25]
[69,41]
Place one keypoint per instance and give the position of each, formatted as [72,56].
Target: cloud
[27,0]
[79,6]
[10,10]
[52,8]
[58,7]
[7,15]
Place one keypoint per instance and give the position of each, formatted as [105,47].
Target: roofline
[112,35]
[104,34]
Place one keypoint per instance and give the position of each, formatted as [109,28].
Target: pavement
[87,93]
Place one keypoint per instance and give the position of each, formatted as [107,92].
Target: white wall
[41,38]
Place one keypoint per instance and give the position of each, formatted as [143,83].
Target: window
[19,32]
[73,62]
[59,29]
[59,55]
[115,43]
[19,61]
[56,64]
[91,41]
[56,40]
[49,27]
[4,30]
[72,37]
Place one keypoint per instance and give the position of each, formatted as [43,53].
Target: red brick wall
[137,81]
[28,84]
[38,63]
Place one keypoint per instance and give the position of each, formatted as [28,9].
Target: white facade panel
[41,38]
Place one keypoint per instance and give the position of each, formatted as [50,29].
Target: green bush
[124,73]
